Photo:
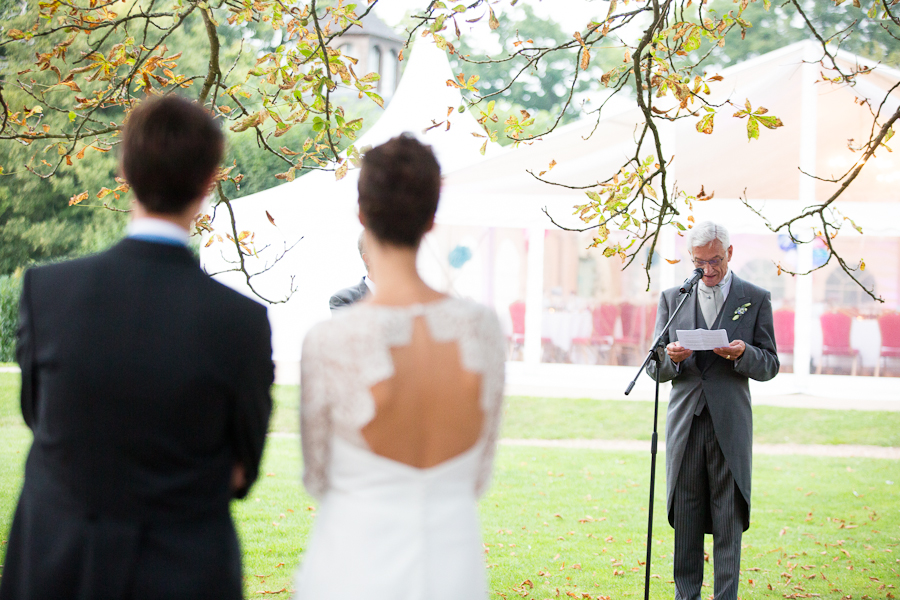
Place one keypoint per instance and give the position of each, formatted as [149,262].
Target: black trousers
[707,500]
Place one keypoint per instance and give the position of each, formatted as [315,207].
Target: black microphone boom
[691,281]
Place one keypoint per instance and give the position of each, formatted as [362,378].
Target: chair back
[632,322]
[649,322]
[784,330]
[517,314]
[604,317]
[835,331]
[889,324]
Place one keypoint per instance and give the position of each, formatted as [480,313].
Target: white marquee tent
[497,191]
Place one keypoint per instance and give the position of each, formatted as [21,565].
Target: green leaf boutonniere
[740,310]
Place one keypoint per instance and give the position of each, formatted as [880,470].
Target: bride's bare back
[429,410]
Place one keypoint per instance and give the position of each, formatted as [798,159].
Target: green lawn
[583,418]
[575,520]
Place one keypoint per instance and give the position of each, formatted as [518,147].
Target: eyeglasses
[713,262]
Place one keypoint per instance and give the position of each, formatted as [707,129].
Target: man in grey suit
[709,428]
[347,296]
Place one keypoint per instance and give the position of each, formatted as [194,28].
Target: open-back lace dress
[385,529]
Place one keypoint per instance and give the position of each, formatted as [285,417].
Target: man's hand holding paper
[704,339]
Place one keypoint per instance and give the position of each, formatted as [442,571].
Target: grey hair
[361,243]
[706,232]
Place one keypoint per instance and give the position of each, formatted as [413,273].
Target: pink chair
[836,339]
[889,324]
[649,324]
[633,324]
[517,339]
[784,331]
[604,324]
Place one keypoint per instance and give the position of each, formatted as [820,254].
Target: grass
[575,520]
[564,418]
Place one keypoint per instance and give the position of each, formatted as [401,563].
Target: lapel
[687,318]
[736,297]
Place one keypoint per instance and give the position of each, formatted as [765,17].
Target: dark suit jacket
[347,296]
[144,381]
[724,383]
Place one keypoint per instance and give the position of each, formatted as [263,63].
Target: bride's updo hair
[399,185]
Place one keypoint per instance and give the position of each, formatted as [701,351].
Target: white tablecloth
[562,326]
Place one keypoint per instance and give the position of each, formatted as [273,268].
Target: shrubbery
[10,289]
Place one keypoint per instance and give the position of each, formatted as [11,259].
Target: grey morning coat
[723,382]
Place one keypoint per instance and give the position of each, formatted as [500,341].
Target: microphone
[691,281]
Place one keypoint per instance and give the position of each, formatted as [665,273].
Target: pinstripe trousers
[706,499]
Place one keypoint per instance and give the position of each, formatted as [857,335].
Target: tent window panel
[593,311]
[844,315]
[485,264]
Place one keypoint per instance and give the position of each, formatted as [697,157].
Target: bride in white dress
[401,401]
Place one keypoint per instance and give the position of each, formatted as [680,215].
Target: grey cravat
[710,302]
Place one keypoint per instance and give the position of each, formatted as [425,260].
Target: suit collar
[155,250]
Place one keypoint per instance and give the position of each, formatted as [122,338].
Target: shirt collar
[161,231]
[724,285]
[369,283]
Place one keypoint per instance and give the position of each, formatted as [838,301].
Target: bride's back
[429,410]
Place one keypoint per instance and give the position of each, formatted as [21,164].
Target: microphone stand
[654,355]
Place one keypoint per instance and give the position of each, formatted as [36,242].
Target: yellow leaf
[77,199]
[341,171]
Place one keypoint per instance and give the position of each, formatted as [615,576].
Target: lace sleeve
[490,338]
[315,416]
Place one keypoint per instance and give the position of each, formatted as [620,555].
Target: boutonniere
[740,310]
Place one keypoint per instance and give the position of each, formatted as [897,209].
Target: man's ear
[730,251]
[362,219]
[430,225]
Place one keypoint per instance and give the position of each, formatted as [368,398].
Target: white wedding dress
[386,530]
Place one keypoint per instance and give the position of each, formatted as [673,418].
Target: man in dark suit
[347,296]
[146,385]
[709,428]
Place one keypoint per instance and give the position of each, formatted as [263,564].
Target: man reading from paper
[709,430]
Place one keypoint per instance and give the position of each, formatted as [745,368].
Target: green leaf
[73,116]
[752,128]
[705,125]
[693,40]
[376,98]
[769,122]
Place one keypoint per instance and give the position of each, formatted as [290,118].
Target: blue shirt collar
[160,231]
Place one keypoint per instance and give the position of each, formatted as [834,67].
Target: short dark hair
[170,149]
[399,185]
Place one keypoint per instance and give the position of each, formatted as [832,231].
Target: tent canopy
[819,118]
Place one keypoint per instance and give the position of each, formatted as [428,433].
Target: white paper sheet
[702,339]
